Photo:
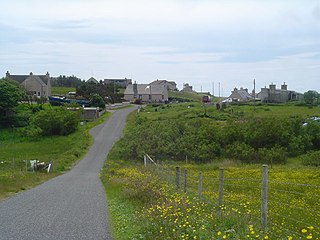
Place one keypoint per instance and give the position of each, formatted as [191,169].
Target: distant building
[35,85]
[241,95]
[187,88]
[146,93]
[170,85]
[282,95]
[121,82]
[92,80]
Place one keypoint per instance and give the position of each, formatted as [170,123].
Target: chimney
[284,86]
[135,89]
[272,86]
[7,74]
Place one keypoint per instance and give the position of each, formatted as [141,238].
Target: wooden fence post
[200,186]
[185,180]
[264,197]
[220,191]
[178,178]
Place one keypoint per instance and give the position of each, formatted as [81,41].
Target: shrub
[56,121]
[311,159]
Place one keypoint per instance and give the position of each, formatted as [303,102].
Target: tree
[97,101]
[10,95]
[311,97]
[56,121]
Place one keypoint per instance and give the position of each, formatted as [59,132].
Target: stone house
[146,93]
[35,85]
[92,80]
[170,85]
[121,82]
[274,95]
[241,95]
[187,88]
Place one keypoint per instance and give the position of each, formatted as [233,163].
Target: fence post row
[220,190]
[264,197]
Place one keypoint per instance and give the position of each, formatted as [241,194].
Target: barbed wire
[296,220]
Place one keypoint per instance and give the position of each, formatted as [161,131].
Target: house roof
[21,78]
[241,94]
[36,78]
[162,82]
[92,79]
[146,89]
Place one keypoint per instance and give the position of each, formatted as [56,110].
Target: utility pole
[219,89]
[254,94]
[212,88]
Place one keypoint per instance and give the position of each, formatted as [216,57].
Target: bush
[56,121]
[311,159]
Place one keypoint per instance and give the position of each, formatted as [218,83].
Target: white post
[220,191]
[264,197]
[145,160]
[200,186]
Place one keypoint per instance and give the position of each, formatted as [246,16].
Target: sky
[205,43]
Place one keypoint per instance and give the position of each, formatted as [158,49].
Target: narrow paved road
[71,206]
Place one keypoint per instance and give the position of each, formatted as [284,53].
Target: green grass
[64,151]
[157,211]
[61,90]
[191,110]
[155,208]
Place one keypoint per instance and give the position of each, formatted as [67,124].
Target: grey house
[121,82]
[146,93]
[35,85]
[170,85]
[274,95]
[241,95]
[92,80]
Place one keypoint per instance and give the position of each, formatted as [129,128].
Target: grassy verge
[64,151]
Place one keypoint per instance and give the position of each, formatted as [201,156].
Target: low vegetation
[18,144]
[240,139]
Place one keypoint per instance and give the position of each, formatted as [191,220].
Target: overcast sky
[200,42]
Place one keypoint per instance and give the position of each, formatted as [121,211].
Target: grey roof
[159,81]
[21,78]
[241,94]
[37,78]
[146,89]
[92,79]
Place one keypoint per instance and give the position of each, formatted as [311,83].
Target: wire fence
[278,208]
[18,167]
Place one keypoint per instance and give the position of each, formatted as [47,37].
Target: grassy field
[156,210]
[57,91]
[64,151]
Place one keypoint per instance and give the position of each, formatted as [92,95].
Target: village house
[241,95]
[92,80]
[170,85]
[121,82]
[282,95]
[146,93]
[35,85]
[187,88]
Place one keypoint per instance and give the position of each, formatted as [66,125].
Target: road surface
[70,206]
